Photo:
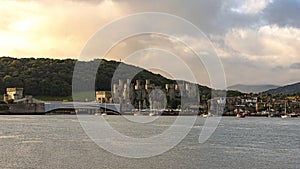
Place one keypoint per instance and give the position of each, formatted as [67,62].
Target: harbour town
[144,98]
[44,86]
[163,84]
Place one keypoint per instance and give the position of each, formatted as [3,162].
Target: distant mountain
[252,88]
[288,89]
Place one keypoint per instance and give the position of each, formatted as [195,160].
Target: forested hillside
[53,77]
[37,76]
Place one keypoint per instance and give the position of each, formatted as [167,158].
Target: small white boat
[204,115]
[289,116]
[240,116]
[207,115]
[152,114]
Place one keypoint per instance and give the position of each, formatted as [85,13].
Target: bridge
[78,107]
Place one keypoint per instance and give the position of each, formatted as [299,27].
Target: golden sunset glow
[254,35]
[43,29]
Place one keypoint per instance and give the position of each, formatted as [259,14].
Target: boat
[207,115]
[289,115]
[240,116]
[293,115]
[152,114]
[285,115]
[104,112]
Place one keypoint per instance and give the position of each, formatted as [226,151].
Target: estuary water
[59,141]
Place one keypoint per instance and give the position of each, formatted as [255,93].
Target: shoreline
[128,114]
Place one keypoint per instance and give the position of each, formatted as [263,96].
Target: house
[104,96]
[13,94]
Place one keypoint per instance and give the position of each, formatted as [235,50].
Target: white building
[13,94]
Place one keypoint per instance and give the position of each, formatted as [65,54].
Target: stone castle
[143,94]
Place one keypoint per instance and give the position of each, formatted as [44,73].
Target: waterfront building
[13,94]
[104,96]
[170,90]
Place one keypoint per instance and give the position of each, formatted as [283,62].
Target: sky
[258,41]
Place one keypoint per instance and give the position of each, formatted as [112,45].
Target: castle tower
[121,84]
[137,85]
[147,85]
[14,93]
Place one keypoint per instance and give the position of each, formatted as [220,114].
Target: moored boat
[152,114]
[289,115]
[207,115]
[240,116]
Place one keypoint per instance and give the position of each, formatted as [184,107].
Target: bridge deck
[51,106]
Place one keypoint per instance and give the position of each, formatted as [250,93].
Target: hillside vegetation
[53,77]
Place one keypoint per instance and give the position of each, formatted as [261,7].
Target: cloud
[283,13]
[260,55]
[257,36]
[43,28]
[295,65]
[242,71]
[278,68]
[165,53]
[204,14]
[272,45]
[250,6]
